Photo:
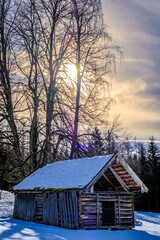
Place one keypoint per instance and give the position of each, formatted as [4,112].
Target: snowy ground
[147,227]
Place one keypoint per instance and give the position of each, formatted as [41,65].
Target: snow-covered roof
[76,173]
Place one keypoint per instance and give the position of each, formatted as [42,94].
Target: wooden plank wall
[68,209]
[25,206]
[50,208]
[91,210]
[53,208]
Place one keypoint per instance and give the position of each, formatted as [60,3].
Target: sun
[72,71]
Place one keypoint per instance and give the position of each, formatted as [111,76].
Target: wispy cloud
[135,25]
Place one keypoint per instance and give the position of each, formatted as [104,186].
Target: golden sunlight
[72,71]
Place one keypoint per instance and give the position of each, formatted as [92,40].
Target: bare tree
[55,42]
[7,112]
[94,59]
[28,41]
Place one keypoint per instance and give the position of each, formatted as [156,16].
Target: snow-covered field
[147,227]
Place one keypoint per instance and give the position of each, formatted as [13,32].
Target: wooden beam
[109,182]
[133,175]
[119,179]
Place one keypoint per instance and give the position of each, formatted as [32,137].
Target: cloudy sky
[135,26]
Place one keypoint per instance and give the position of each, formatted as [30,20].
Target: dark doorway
[108,213]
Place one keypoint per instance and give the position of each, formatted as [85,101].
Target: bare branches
[45,108]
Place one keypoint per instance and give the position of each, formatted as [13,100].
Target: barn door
[108,213]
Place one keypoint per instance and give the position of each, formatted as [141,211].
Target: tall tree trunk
[50,100]
[34,134]
[5,83]
[78,64]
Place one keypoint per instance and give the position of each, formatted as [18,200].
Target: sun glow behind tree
[72,71]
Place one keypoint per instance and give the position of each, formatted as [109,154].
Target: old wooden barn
[86,193]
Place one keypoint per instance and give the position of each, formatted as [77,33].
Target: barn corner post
[98,211]
[119,211]
[133,225]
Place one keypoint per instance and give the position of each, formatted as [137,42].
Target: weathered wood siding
[90,205]
[25,206]
[53,208]
[68,209]
[50,208]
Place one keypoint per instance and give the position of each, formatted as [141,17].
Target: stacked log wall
[90,216]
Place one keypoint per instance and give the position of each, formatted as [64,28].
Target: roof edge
[144,189]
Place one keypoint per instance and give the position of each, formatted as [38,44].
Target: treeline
[44,108]
[149,161]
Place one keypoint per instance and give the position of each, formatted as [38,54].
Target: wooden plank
[126,205]
[71,210]
[126,201]
[122,172]
[89,209]
[125,212]
[88,199]
[76,208]
[60,210]
[88,203]
[65,219]
[68,209]
[88,217]
[108,199]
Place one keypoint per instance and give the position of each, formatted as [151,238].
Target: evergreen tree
[94,145]
[111,145]
[152,153]
[97,142]
[153,175]
[142,159]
